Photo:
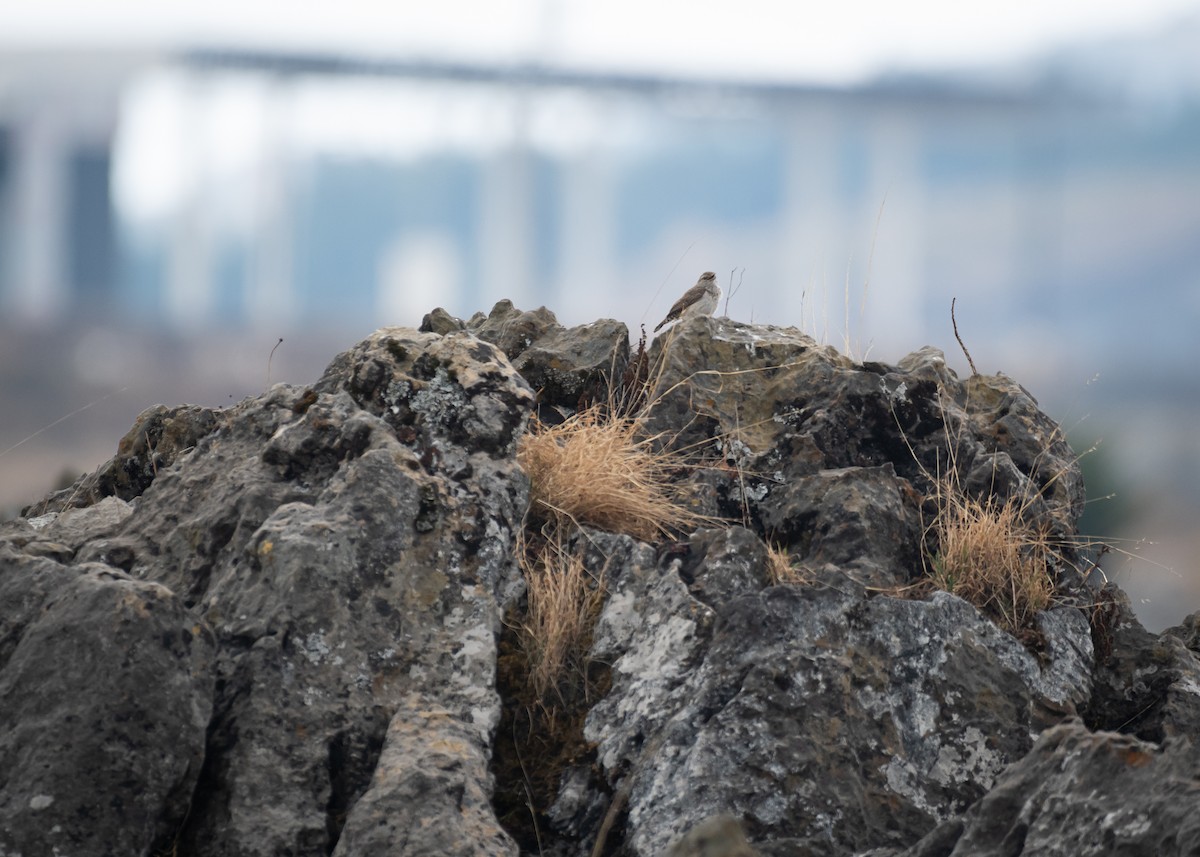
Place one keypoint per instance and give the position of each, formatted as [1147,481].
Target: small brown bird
[700,299]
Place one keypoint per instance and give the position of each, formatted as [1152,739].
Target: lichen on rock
[279,627]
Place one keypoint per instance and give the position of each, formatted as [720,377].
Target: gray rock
[350,546]
[566,366]
[829,721]
[441,322]
[833,457]
[433,763]
[720,836]
[60,535]
[106,691]
[159,437]
[722,564]
[513,330]
[273,629]
[1079,793]
[1187,632]
[1146,685]
[855,518]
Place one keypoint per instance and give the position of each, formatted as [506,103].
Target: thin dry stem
[987,551]
[961,344]
[781,569]
[564,601]
[601,468]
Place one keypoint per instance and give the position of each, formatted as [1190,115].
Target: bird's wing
[689,297]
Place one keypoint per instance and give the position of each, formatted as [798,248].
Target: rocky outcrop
[296,620]
[106,692]
[275,628]
[1078,793]
[563,365]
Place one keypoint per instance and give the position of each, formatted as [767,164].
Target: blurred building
[58,235]
[194,195]
[218,188]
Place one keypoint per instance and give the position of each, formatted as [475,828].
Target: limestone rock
[273,628]
[1079,793]
[564,365]
[513,330]
[719,836]
[1147,685]
[158,437]
[827,720]
[825,450]
[106,690]
[346,547]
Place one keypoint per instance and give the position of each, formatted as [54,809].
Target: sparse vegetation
[984,551]
[600,467]
[781,567]
[997,552]
[564,600]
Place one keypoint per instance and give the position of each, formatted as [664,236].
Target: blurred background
[183,185]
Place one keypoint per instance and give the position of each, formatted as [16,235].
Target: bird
[700,299]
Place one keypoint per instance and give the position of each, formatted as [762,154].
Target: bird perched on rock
[700,299]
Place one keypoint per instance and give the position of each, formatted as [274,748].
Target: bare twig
[621,796]
[537,833]
[846,327]
[614,809]
[974,371]
[733,290]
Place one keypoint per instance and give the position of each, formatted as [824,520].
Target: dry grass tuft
[599,467]
[989,555]
[780,567]
[991,550]
[997,554]
[564,600]
[600,470]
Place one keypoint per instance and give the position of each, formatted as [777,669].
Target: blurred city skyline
[211,186]
[174,197]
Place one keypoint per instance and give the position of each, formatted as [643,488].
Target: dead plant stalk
[563,603]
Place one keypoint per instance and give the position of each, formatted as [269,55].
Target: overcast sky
[835,41]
